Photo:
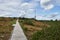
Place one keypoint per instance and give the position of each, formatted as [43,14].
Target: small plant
[51,33]
[25,29]
[29,22]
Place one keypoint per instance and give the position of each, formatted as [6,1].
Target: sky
[44,9]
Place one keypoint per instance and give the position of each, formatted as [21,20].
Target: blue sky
[44,9]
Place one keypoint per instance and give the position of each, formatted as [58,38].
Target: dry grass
[32,26]
[6,28]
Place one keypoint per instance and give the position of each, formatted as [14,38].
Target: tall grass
[27,21]
[51,33]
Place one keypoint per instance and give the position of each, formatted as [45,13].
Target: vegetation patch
[33,29]
[42,30]
[6,27]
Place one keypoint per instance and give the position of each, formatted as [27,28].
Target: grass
[50,30]
[27,21]
[51,33]
[6,28]
[33,29]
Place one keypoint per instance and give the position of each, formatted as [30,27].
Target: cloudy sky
[44,9]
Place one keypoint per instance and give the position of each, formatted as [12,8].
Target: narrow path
[18,33]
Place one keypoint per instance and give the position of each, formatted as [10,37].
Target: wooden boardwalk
[18,33]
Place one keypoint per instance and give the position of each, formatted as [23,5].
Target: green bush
[25,29]
[29,22]
[52,33]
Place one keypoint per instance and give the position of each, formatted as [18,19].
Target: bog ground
[33,29]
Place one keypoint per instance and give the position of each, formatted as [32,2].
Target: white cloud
[44,1]
[8,7]
[48,7]
[54,14]
[21,13]
[46,4]
[15,7]
[42,18]
[18,8]
[36,0]
[57,2]
[4,14]
[28,7]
